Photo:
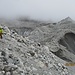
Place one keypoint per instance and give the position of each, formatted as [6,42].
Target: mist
[46,10]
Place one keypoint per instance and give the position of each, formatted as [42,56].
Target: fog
[54,10]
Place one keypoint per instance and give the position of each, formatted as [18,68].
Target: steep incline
[60,38]
[20,56]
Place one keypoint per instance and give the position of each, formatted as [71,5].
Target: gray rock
[33,55]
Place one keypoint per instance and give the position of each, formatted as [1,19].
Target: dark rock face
[59,53]
[67,52]
[69,42]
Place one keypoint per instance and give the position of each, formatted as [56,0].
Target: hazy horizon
[53,10]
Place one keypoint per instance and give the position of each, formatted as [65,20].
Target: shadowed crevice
[59,53]
[69,42]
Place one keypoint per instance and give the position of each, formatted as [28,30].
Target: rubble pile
[21,56]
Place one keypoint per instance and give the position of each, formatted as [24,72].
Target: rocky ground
[40,53]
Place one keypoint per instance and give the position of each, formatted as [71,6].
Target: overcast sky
[38,9]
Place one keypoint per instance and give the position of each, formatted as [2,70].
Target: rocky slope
[22,56]
[60,38]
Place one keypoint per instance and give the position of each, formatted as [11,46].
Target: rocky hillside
[60,38]
[22,56]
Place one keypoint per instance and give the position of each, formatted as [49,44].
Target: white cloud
[38,9]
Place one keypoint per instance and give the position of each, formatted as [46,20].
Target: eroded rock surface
[21,56]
